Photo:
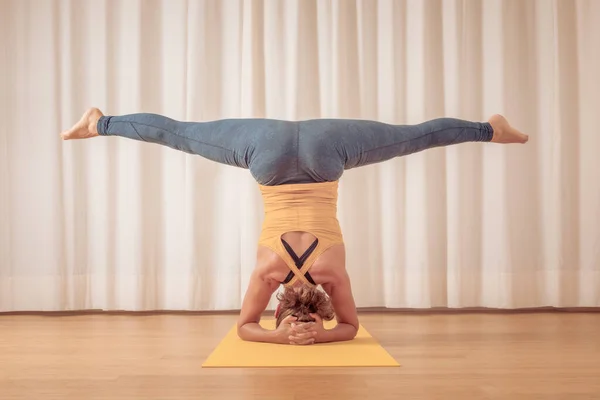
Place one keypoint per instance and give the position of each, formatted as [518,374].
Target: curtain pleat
[123,225]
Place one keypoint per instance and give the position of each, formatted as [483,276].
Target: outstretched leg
[230,141]
[368,142]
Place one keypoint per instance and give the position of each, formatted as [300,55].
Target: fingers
[302,342]
[317,318]
[302,336]
[288,320]
[304,333]
[302,326]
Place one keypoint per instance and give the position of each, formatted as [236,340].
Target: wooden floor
[443,356]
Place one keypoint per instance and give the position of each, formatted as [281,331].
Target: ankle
[93,118]
[93,126]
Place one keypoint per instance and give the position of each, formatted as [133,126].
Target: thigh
[273,153]
[348,142]
[364,142]
[321,154]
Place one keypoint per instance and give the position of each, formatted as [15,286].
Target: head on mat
[302,302]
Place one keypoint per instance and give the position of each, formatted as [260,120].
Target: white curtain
[115,224]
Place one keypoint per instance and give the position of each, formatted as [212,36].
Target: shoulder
[269,266]
[330,267]
[336,277]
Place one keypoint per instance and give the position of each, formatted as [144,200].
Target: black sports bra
[299,261]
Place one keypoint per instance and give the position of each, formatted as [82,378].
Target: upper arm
[342,299]
[257,298]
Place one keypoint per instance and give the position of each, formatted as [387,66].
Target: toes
[71,133]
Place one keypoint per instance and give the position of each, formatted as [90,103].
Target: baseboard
[366,310]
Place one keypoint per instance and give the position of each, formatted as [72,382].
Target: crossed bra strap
[299,261]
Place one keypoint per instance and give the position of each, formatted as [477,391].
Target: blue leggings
[280,152]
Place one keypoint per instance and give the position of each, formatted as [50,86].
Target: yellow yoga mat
[363,351]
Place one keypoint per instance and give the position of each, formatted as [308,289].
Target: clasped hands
[301,333]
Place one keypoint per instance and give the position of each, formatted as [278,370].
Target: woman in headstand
[297,165]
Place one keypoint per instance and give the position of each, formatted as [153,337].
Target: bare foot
[86,127]
[504,133]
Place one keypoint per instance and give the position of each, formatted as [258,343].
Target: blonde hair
[301,301]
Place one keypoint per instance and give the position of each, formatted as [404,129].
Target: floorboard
[545,355]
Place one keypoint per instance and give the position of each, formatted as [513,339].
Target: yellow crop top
[306,207]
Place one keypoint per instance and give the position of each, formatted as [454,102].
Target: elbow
[246,331]
[345,332]
[354,331]
[241,331]
[353,328]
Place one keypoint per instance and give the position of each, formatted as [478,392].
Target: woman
[297,166]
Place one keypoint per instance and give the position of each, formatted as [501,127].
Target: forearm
[253,332]
[341,332]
